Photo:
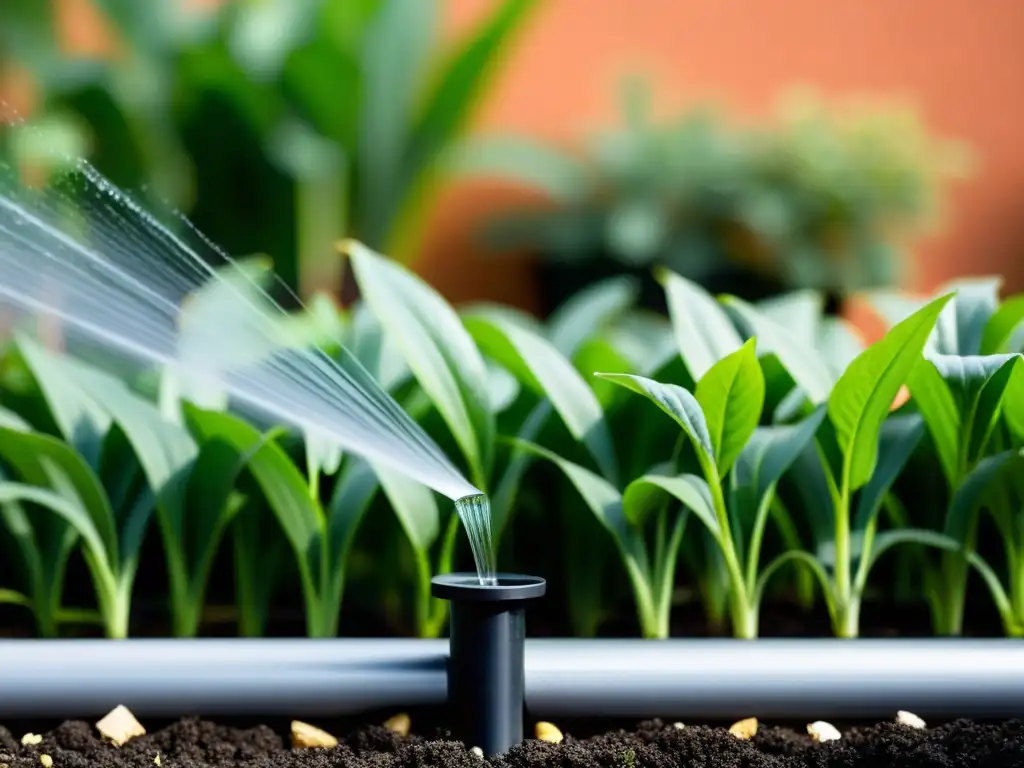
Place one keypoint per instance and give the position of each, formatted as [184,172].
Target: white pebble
[819,730]
[478,752]
[909,719]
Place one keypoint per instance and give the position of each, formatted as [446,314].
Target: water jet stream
[85,254]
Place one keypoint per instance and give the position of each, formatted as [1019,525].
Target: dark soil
[193,743]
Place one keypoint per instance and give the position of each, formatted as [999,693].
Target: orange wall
[960,62]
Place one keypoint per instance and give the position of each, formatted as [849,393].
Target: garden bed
[194,743]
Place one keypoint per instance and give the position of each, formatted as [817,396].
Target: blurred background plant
[276,125]
[819,196]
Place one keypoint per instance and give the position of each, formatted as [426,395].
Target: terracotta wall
[960,62]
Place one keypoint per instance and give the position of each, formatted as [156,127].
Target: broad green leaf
[899,437]
[458,85]
[799,311]
[598,354]
[1013,403]
[704,333]
[165,449]
[601,497]
[939,408]
[974,303]
[886,540]
[588,312]
[356,487]
[375,350]
[838,344]
[73,513]
[542,368]
[972,492]
[645,493]
[646,340]
[862,397]
[394,57]
[676,402]
[81,421]
[211,486]
[282,484]
[766,457]
[799,356]
[414,505]
[731,395]
[959,328]
[502,386]
[978,384]
[437,348]
[48,463]
[1002,327]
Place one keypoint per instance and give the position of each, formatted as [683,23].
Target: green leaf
[799,356]
[356,487]
[73,513]
[81,421]
[601,497]
[395,52]
[886,540]
[676,402]
[589,311]
[1001,329]
[540,366]
[703,331]
[282,484]
[437,348]
[766,457]
[414,505]
[978,384]
[861,398]
[972,492]
[838,344]
[646,493]
[1013,403]
[165,450]
[800,312]
[965,320]
[899,437]
[731,395]
[458,85]
[935,401]
[46,462]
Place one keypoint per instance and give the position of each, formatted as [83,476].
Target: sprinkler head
[486,677]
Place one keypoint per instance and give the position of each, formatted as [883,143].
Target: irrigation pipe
[677,678]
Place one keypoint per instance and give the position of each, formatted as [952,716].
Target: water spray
[486,673]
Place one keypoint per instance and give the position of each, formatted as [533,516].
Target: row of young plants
[762,445]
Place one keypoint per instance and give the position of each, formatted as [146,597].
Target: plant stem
[845,619]
[424,626]
[739,604]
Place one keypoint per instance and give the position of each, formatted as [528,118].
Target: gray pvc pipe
[696,679]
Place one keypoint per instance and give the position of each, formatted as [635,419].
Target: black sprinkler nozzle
[486,678]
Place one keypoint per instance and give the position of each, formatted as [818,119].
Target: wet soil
[193,743]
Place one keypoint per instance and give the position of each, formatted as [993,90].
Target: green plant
[721,423]
[335,109]
[814,197]
[961,388]
[119,441]
[443,352]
